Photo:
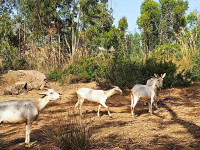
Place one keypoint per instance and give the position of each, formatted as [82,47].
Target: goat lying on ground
[159,86]
[98,96]
[25,111]
[145,92]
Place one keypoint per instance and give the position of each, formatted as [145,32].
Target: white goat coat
[92,95]
[25,111]
[143,90]
[18,112]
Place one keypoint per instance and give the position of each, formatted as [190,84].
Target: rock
[21,81]
[16,89]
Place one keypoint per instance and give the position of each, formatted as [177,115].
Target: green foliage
[7,36]
[173,19]
[10,60]
[54,75]
[134,42]
[88,68]
[126,73]
[149,22]
[85,70]
[20,64]
[182,79]
[110,38]
[9,44]
[97,20]
[40,15]
[167,51]
[195,71]
[121,71]
[123,24]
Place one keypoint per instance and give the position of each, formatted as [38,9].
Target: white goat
[159,86]
[160,80]
[98,96]
[25,111]
[145,92]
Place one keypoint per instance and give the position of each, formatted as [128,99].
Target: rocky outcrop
[20,81]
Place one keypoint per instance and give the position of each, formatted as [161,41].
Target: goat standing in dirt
[143,91]
[98,96]
[159,86]
[27,111]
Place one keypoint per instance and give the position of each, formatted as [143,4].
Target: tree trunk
[59,48]
[19,40]
[24,39]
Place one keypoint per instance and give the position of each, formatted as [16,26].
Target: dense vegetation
[73,41]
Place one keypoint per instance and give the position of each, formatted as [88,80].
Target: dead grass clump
[70,133]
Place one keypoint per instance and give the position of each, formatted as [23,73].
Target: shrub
[19,64]
[126,73]
[54,75]
[195,71]
[168,51]
[86,70]
[69,134]
[123,72]
[182,79]
[151,66]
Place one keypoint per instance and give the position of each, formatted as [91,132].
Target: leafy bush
[126,73]
[86,70]
[182,79]
[195,71]
[168,51]
[54,75]
[19,64]
[151,66]
[121,71]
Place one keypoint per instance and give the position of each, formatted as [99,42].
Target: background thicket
[76,41]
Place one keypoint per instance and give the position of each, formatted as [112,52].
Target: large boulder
[19,81]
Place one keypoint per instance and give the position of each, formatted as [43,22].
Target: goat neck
[110,92]
[42,102]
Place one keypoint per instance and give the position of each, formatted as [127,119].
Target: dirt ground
[175,125]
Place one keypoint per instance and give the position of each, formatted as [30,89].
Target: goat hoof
[27,145]
[134,115]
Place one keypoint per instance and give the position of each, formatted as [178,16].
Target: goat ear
[163,75]
[155,75]
[113,86]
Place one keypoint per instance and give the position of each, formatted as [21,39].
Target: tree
[149,22]
[172,18]
[134,44]
[123,24]
[96,25]
[8,41]
[192,20]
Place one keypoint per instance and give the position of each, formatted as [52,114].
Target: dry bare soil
[175,125]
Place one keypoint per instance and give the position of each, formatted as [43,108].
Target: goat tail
[127,89]
[133,94]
